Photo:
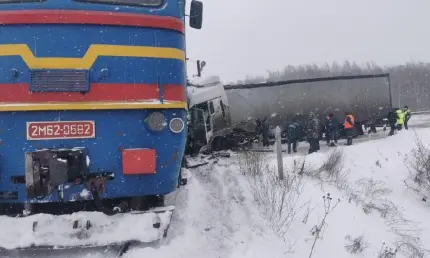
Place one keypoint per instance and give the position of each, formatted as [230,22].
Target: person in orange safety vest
[348,126]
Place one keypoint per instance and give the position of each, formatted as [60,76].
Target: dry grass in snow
[385,219]
[277,199]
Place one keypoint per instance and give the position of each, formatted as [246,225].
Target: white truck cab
[209,111]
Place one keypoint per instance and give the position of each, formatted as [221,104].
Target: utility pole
[399,94]
[278,151]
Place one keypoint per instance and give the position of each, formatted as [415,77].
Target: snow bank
[375,203]
[216,217]
[220,216]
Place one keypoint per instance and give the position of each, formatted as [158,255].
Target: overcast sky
[249,37]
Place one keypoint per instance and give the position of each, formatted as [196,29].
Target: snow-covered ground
[420,120]
[220,217]
[221,213]
[374,201]
[217,218]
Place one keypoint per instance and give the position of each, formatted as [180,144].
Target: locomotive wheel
[146,202]
[155,201]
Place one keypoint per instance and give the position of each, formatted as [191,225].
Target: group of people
[314,129]
[398,118]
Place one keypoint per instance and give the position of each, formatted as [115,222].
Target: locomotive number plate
[60,130]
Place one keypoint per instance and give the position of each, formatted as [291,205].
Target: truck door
[210,120]
[198,127]
[219,117]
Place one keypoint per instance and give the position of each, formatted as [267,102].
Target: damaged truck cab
[210,123]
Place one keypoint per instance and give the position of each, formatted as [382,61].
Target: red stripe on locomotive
[90,17]
[129,92]
[174,92]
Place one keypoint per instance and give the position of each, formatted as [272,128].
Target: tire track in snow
[233,223]
[215,223]
[248,221]
[203,224]
[179,199]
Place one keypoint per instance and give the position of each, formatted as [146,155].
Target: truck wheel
[217,144]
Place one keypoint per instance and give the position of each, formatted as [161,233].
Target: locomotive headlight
[156,121]
[176,125]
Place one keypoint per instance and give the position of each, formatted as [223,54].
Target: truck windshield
[126,2]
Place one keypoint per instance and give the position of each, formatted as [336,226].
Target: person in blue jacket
[294,130]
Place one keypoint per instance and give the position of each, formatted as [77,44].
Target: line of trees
[410,83]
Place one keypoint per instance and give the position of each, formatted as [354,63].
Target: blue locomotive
[92,103]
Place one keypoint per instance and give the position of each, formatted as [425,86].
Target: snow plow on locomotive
[92,118]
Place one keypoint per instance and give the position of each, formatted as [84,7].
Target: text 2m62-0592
[60,130]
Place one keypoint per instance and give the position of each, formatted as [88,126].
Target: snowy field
[221,218]
[227,211]
[420,121]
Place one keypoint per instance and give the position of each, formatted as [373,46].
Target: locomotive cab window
[146,3]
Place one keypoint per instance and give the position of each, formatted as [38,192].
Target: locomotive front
[93,103]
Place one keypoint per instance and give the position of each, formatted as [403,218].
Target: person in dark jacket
[258,126]
[313,131]
[320,131]
[392,119]
[293,134]
[331,130]
[301,134]
[408,114]
[335,128]
[327,129]
[265,131]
